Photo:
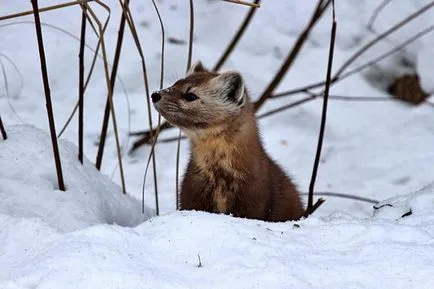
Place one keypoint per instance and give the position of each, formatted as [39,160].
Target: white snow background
[92,236]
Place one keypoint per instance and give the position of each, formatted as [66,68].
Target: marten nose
[155,97]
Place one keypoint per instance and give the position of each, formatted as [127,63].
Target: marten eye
[190,97]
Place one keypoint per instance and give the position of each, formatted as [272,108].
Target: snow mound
[337,252]
[28,185]
[419,204]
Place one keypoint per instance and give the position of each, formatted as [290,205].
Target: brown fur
[229,171]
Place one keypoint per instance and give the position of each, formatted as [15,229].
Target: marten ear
[232,86]
[195,68]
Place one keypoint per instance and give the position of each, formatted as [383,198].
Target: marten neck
[232,149]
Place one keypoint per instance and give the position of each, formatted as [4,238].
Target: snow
[93,236]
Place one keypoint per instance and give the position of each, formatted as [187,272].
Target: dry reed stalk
[190,54]
[240,32]
[89,75]
[130,21]
[301,40]
[154,139]
[44,9]
[81,85]
[3,130]
[255,5]
[310,206]
[49,106]
[106,117]
[376,13]
[110,91]
[358,53]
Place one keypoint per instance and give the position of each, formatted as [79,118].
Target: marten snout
[156,96]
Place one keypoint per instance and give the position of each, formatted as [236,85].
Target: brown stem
[236,37]
[178,148]
[344,196]
[319,10]
[48,96]
[110,91]
[376,13]
[254,5]
[337,76]
[3,130]
[44,9]
[81,85]
[310,206]
[132,26]
[114,72]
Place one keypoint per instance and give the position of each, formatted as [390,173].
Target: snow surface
[92,236]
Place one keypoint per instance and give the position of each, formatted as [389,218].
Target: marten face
[202,99]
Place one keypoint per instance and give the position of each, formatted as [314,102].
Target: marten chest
[222,178]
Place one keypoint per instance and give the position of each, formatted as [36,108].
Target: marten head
[202,100]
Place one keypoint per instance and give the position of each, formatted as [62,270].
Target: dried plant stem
[110,91]
[3,130]
[339,73]
[310,206]
[89,75]
[344,196]
[154,142]
[178,148]
[130,21]
[113,74]
[50,114]
[233,43]
[376,13]
[44,9]
[255,5]
[319,10]
[384,35]
[81,85]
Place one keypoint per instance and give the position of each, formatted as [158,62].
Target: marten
[229,171]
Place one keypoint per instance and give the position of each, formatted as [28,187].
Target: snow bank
[28,185]
[83,238]
[337,252]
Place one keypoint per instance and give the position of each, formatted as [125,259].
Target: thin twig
[376,13]
[110,91]
[337,76]
[3,130]
[318,12]
[132,26]
[49,106]
[383,35]
[240,32]
[154,139]
[255,5]
[113,74]
[178,148]
[344,196]
[81,85]
[44,9]
[310,206]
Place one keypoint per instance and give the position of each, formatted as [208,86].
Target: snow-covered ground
[92,236]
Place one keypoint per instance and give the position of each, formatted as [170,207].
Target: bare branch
[318,12]
[49,106]
[3,130]
[255,5]
[376,13]
[81,85]
[310,206]
[236,37]
[44,9]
